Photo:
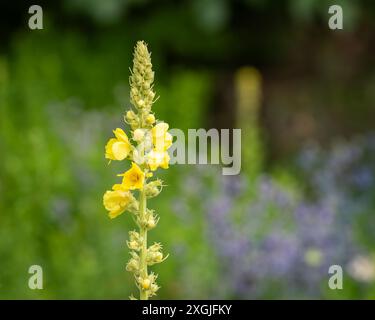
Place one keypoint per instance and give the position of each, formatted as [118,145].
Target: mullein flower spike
[146,147]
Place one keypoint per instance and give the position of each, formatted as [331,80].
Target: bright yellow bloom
[161,138]
[118,148]
[133,178]
[116,201]
[157,159]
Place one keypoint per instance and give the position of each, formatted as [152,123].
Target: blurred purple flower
[266,237]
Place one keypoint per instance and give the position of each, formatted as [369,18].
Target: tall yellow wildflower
[147,151]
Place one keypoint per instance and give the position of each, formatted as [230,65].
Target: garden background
[302,94]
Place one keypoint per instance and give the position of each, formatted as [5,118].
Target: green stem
[143,234]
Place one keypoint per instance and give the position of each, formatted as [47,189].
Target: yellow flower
[161,138]
[116,201]
[133,178]
[118,148]
[157,159]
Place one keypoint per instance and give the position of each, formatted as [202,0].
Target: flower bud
[158,257]
[153,289]
[151,223]
[134,236]
[134,124]
[140,103]
[133,92]
[150,76]
[133,206]
[138,135]
[130,115]
[150,119]
[155,247]
[154,257]
[135,241]
[132,265]
[138,79]
[146,85]
[153,188]
[154,254]
[145,284]
[133,245]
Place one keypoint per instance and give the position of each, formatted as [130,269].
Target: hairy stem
[143,234]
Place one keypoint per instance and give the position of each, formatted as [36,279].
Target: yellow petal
[115,213]
[157,159]
[165,163]
[161,139]
[108,149]
[120,135]
[120,150]
[119,187]
[160,129]
[111,200]
[116,201]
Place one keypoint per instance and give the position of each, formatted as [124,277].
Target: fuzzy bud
[145,284]
[134,92]
[134,236]
[150,119]
[151,95]
[153,188]
[130,116]
[135,241]
[133,206]
[133,245]
[138,135]
[134,124]
[151,223]
[140,103]
[154,254]
[153,289]
[132,265]
[141,94]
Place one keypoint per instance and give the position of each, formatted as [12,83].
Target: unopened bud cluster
[145,282]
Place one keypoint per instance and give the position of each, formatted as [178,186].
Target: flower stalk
[147,150]
[143,232]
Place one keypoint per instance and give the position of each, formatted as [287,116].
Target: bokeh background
[302,94]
